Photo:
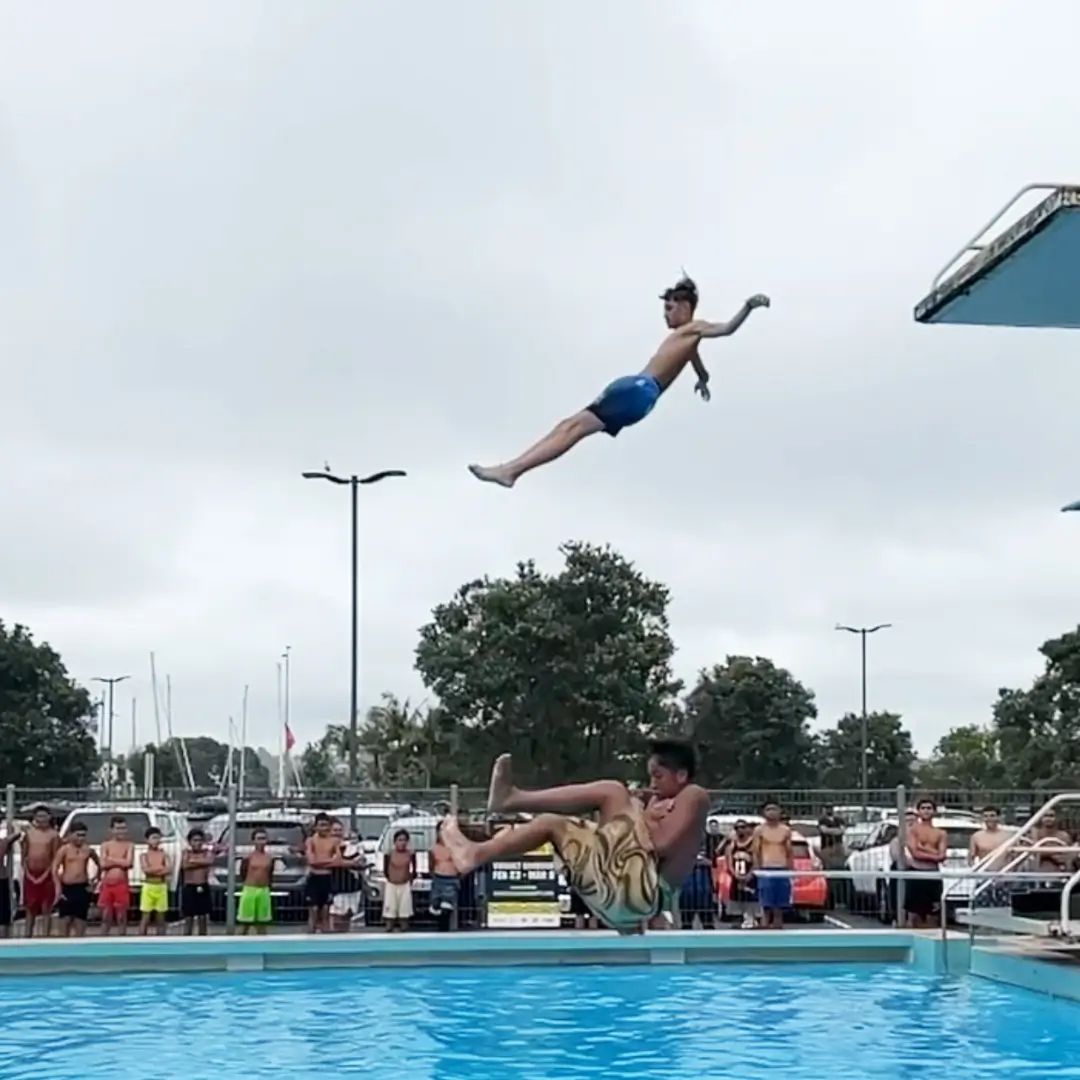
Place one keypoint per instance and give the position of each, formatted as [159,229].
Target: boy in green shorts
[255,908]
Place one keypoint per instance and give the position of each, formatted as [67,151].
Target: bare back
[677,350]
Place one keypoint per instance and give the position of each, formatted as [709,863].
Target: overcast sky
[237,240]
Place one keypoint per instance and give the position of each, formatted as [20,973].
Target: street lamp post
[864,632]
[354,484]
[111,684]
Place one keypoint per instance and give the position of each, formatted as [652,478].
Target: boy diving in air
[631,398]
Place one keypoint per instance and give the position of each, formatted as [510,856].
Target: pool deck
[1008,961]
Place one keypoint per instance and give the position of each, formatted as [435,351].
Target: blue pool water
[783,1022]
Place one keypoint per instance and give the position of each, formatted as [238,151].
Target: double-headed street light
[107,730]
[864,632]
[354,483]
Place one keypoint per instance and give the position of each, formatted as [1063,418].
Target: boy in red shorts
[117,859]
[40,843]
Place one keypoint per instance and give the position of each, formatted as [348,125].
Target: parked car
[870,888]
[287,833]
[173,826]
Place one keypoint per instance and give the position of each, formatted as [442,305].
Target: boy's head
[322,824]
[401,840]
[259,838]
[771,812]
[680,302]
[153,836]
[196,838]
[118,827]
[42,817]
[337,830]
[925,809]
[671,767]
[77,833]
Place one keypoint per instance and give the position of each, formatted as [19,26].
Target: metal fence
[839,897]
[802,803]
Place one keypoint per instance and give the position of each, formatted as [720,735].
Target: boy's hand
[702,387]
[758,300]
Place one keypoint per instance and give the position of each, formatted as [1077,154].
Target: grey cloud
[241,240]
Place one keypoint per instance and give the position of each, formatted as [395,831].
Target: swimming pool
[738,1021]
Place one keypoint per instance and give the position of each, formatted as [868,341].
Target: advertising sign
[523,892]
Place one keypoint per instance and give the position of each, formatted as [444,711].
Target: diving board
[1027,275]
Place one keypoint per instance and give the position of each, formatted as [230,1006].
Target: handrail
[1025,853]
[1066,896]
[1065,796]
[973,245]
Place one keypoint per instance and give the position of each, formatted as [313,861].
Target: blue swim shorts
[625,402]
[774,893]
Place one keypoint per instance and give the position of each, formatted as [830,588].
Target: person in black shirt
[831,829]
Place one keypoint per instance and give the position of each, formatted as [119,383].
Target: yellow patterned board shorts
[614,870]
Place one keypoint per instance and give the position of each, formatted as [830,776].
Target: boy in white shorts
[399,869]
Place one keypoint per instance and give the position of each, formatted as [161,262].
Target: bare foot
[501,790]
[462,851]
[491,476]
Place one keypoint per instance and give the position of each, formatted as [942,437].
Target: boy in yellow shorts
[154,894]
[255,909]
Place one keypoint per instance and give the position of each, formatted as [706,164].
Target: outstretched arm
[724,329]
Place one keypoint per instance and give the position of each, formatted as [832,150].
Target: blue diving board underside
[1028,276]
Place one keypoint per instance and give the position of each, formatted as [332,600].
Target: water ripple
[697,1023]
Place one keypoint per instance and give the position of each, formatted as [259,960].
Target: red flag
[290,739]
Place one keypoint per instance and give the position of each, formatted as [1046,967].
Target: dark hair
[77,826]
[259,830]
[196,834]
[152,831]
[399,833]
[117,819]
[676,756]
[684,290]
[35,810]
[991,810]
[321,817]
[926,801]
[770,802]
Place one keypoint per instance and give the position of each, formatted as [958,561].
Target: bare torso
[674,353]
[155,866]
[322,852]
[441,862]
[399,867]
[987,841]
[196,867]
[258,869]
[678,861]
[73,865]
[39,850]
[773,845]
[116,858]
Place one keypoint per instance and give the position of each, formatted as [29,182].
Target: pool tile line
[221,953]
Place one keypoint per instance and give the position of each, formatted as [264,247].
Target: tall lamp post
[354,483]
[864,632]
[111,684]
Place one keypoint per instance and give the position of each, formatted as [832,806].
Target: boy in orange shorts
[117,859]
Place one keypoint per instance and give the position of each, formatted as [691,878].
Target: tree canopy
[890,754]
[570,671]
[750,722]
[209,761]
[46,719]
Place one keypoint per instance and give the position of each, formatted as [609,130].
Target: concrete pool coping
[1008,961]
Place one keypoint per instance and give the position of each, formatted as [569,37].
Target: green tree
[890,755]
[750,721]
[324,765]
[208,759]
[46,718]
[1037,730]
[967,757]
[569,671]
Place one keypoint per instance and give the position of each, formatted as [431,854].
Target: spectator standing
[399,872]
[773,850]
[445,883]
[39,843]
[346,881]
